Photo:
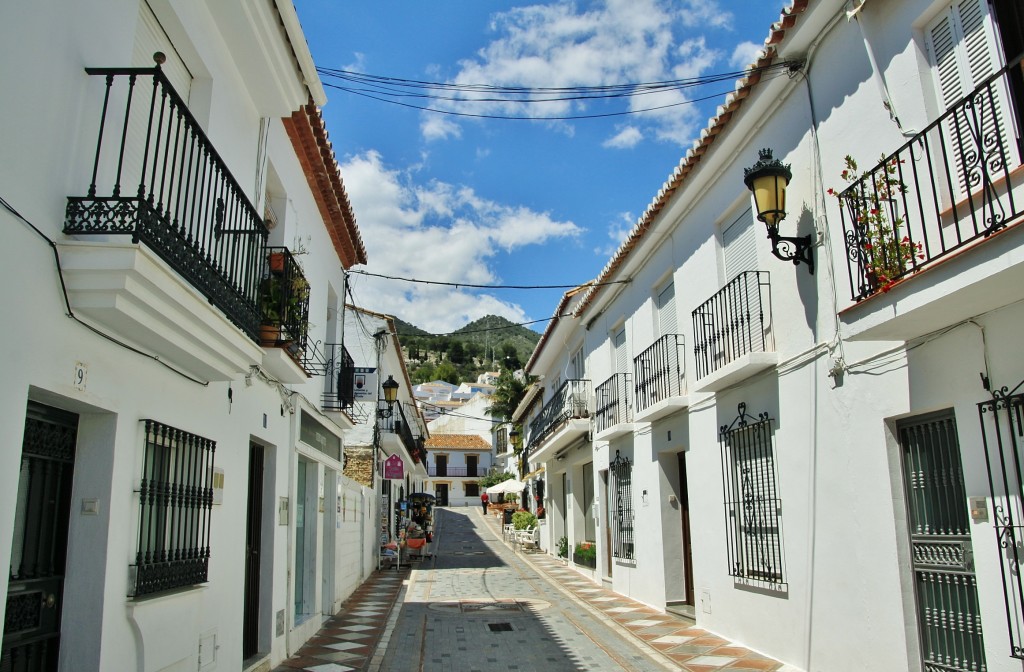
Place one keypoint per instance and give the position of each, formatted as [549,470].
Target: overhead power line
[474,286]
[395,90]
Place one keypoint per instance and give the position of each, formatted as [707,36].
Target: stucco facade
[196,466]
[772,448]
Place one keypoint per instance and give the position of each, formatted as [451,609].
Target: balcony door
[441,465]
[472,462]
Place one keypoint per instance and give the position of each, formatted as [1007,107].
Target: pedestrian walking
[484,499]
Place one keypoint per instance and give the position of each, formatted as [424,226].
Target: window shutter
[739,245]
[666,304]
[963,50]
[619,345]
[150,38]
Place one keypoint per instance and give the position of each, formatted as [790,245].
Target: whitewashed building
[461,451]
[809,434]
[172,422]
[385,449]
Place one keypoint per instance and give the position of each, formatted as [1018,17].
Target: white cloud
[618,230]
[440,232]
[436,127]
[563,44]
[744,54]
[627,138]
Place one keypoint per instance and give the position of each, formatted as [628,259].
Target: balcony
[947,202]
[613,412]
[565,418]
[177,252]
[339,379]
[397,435]
[457,472]
[732,333]
[660,380]
[284,316]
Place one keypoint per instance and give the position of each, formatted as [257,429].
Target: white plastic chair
[530,535]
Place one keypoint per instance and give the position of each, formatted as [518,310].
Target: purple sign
[394,468]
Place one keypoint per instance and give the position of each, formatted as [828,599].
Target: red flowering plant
[887,252]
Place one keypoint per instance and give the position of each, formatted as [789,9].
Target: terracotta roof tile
[733,101]
[457,442]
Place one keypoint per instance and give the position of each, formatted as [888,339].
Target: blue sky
[485,201]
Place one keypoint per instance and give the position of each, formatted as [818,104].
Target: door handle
[49,601]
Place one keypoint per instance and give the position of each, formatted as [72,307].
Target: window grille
[175,500]
[1002,436]
[753,509]
[622,527]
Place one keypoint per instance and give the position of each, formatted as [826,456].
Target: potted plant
[563,549]
[884,250]
[585,554]
[282,308]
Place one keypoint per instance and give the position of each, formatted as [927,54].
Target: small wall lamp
[768,179]
[390,395]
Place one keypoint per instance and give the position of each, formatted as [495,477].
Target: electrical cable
[67,301]
[473,286]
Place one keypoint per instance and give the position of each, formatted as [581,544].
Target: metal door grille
[31,635]
[753,508]
[1002,433]
[947,596]
[622,526]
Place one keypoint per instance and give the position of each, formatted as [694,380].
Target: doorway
[441,465]
[253,544]
[31,639]
[609,517]
[684,514]
[939,530]
[441,494]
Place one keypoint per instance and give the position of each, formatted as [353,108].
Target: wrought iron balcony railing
[284,303]
[612,402]
[734,322]
[571,401]
[339,378]
[399,424]
[951,185]
[157,177]
[457,472]
[658,371]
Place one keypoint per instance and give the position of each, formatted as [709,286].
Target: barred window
[622,522]
[472,489]
[753,509]
[175,500]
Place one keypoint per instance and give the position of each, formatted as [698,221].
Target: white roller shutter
[739,245]
[619,346]
[150,38]
[666,306]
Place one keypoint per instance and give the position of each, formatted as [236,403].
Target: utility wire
[472,286]
[67,301]
[392,89]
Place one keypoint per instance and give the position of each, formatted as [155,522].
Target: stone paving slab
[480,604]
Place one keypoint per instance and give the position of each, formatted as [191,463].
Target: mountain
[488,344]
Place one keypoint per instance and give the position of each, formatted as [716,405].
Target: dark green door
[949,620]
[31,640]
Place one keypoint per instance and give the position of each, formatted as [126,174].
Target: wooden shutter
[964,51]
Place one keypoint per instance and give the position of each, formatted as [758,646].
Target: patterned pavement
[348,640]
[675,637]
[357,637]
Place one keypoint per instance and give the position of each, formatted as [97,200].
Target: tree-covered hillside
[491,343]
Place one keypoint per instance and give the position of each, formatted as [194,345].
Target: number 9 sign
[81,373]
